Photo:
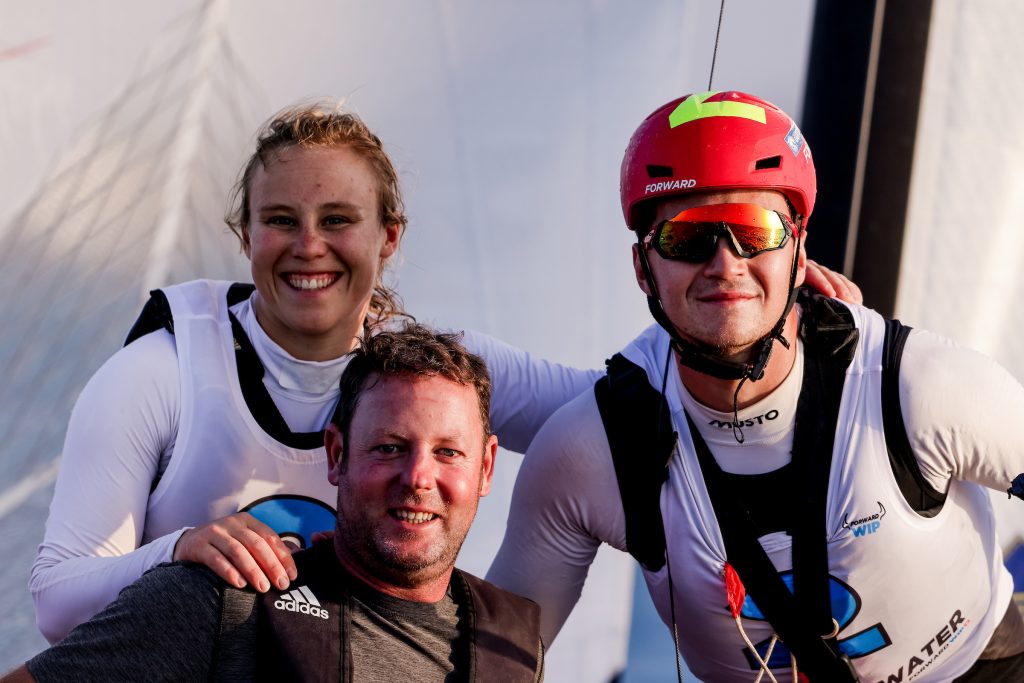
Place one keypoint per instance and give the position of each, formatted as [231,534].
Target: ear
[638,269]
[392,237]
[246,242]
[334,444]
[487,466]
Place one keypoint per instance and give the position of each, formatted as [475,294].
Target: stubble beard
[728,340]
[383,555]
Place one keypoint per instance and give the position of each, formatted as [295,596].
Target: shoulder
[927,352]
[493,603]
[171,580]
[573,440]
[154,347]
[185,595]
[934,367]
[944,384]
[143,374]
[162,627]
[956,404]
[567,480]
[319,558]
[506,630]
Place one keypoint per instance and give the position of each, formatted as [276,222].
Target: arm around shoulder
[525,390]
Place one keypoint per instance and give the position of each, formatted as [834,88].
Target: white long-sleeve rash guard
[122,433]
[956,404]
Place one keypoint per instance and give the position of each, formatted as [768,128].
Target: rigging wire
[714,53]
[668,563]
[665,382]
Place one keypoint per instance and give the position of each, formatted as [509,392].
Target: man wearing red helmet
[802,481]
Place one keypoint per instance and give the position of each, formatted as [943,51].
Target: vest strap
[156,314]
[639,430]
[257,398]
[915,488]
[804,617]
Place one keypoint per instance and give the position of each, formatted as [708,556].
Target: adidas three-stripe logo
[301,600]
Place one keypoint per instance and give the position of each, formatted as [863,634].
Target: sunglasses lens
[686,241]
[693,234]
[754,239]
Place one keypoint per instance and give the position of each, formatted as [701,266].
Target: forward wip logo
[865,525]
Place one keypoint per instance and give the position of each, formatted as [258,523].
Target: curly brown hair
[323,124]
[414,351]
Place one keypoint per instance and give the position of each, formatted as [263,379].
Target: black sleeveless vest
[300,641]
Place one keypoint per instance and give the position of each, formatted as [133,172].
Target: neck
[718,393]
[428,590]
[318,346]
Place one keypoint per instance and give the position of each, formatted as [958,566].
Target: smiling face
[317,244]
[728,303]
[409,473]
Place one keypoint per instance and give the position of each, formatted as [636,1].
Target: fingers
[831,283]
[815,277]
[849,291]
[240,549]
[843,287]
[276,553]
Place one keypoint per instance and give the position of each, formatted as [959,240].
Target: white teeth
[414,517]
[307,283]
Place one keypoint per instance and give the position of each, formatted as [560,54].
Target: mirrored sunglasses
[692,235]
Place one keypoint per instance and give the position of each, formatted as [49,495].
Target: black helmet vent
[659,171]
[768,162]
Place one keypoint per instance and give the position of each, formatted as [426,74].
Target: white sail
[507,121]
[962,272]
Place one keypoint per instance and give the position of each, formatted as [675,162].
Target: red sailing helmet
[717,141]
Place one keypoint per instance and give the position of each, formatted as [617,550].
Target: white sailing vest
[916,599]
[223,461]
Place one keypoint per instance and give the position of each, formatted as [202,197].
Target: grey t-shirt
[398,640]
[163,627]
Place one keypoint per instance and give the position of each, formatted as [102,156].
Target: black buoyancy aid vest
[311,644]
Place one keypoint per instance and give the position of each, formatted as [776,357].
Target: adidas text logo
[301,600]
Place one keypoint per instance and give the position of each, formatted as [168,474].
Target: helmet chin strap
[705,361]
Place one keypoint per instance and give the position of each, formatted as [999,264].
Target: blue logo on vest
[865,525]
[845,606]
[294,518]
